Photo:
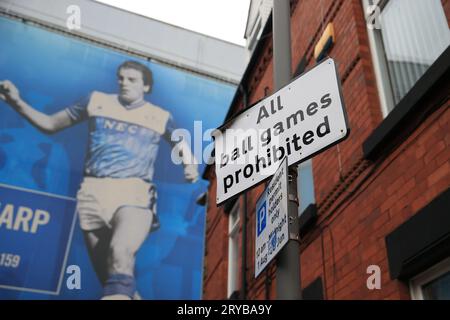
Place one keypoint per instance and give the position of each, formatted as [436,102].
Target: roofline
[11,14]
[248,15]
[258,49]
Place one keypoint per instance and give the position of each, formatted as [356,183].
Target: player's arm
[189,161]
[46,123]
[183,150]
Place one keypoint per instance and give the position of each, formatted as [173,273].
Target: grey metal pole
[288,260]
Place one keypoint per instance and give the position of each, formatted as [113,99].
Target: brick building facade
[381,196]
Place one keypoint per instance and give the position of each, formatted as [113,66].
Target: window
[305,186]
[433,284]
[406,38]
[233,249]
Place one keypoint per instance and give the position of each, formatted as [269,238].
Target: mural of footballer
[116,202]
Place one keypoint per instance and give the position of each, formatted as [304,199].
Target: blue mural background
[52,71]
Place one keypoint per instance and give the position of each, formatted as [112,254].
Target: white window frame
[415,284]
[377,51]
[233,234]
[380,67]
[255,34]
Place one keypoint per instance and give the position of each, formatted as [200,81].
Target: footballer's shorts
[98,199]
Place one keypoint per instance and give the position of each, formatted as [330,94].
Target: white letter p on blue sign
[262,218]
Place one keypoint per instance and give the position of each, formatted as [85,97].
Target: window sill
[307,218]
[421,241]
[410,103]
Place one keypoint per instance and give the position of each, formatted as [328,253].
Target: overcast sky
[223,19]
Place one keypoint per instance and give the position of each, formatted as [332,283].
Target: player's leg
[97,233]
[131,226]
[98,243]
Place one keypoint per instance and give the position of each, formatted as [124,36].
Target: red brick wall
[351,52]
[354,236]
[359,202]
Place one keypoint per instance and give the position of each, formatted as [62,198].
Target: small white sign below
[272,231]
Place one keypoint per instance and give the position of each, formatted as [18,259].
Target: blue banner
[46,172]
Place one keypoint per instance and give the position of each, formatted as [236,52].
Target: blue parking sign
[261,218]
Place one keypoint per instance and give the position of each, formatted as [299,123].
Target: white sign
[298,121]
[272,231]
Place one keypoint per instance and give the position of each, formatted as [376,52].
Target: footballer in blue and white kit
[116,202]
[122,149]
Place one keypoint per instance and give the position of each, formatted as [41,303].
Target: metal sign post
[288,260]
